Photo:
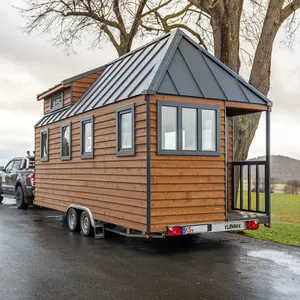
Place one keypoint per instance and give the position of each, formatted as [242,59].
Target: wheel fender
[79,207]
[20,182]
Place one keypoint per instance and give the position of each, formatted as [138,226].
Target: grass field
[285,220]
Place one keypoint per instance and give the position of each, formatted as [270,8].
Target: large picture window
[44,141]
[57,101]
[87,137]
[65,142]
[188,128]
[125,131]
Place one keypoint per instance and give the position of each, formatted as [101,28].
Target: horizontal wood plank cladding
[186,189]
[81,85]
[46,105]
[113,188]
[67,96]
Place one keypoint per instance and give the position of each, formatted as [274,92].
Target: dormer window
[57,101]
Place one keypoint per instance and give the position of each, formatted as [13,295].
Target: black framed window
[65,142]
[188,128]
[87,137]
[125,131]
[57,101]
[44,144]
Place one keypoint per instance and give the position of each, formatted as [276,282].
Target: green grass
[285,219]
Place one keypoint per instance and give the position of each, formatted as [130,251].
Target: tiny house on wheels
[143,146]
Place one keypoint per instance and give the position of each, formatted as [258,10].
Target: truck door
[13,175]
[6,177]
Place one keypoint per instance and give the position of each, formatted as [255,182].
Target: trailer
[143,146]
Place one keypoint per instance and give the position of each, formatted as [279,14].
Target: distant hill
[283,168]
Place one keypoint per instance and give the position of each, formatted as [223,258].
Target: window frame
[180,106]
[42,132]
[65,157]
[53,108]
[130,108]
[15,162]
[83,121]
[5,169]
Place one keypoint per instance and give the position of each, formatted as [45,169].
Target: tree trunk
[259,78]
[225,22]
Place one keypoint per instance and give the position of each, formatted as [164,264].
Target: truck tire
[1,199]
[20,198]
[85,224]
[73,219]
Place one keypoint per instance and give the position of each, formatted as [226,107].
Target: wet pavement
[40,259]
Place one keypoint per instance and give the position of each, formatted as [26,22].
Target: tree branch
[190,30]
[177,14]
[155,9]
[289,9]
[117,12]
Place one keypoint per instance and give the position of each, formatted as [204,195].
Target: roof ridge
[162,67]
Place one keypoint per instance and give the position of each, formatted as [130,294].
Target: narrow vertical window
[87,137]
[44,145]
[125,131]
[208,130]
[169,127]
[65,133]
[189,129]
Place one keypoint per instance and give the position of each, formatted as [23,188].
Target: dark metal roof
[172,64]
[71,79]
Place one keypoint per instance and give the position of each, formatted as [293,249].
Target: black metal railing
[239,203]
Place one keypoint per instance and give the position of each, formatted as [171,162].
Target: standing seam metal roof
[173,65]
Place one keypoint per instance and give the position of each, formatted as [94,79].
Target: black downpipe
[148,137]
[267,170]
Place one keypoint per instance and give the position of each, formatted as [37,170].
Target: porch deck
[238,215]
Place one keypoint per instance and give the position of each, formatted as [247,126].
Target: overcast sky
[31,64]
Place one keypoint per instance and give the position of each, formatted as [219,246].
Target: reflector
[253,225]
[174,230]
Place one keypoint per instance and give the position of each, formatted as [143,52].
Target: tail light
[32,179]
[253,225]
[174,230]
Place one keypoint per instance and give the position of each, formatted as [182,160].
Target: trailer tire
[20,198]
[85,224]
[73,219]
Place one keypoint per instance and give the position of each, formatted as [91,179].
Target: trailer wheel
[73,220]
[20,199]
[85,224]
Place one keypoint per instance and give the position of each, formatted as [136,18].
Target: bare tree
[292,187]
[118,20]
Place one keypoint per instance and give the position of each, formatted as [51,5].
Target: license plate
[194,229]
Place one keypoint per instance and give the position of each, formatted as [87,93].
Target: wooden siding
[186,189]
[67,96]
[80,86]
[46,105]
[113,188]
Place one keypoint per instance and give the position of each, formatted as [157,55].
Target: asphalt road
[40,259]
